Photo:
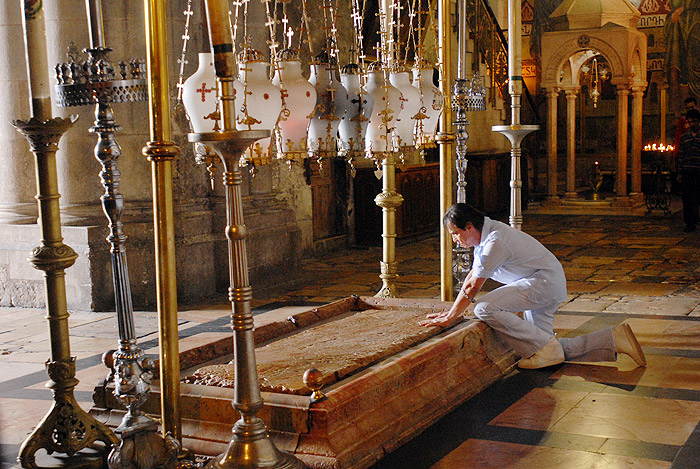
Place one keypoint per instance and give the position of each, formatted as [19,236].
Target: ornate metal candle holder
[596,181]
[66,428]
[94,81]
[250,445]
[467,95]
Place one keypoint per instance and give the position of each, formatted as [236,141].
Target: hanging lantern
[431,109]
[477,94]
[411,99]
[200,97]
[258,104]
[387,105]
[356,108]
[299,101]
[323,127]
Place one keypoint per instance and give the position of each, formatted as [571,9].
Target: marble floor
[642,270]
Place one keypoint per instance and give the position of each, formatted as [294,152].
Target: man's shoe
[626,342]
[550,354]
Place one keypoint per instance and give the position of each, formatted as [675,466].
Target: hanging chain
[183,60]
[412,32]
[271,23]
[306,27]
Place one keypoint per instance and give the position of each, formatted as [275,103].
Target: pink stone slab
[368,412]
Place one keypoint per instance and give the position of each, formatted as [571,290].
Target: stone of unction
[337,348]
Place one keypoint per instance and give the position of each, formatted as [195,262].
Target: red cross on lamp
[200,98]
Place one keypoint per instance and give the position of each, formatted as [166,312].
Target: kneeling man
[534,284]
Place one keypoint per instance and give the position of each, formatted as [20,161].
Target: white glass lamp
[199,96]
[261,104]
[299,101]
[411,98]
[357,109]
[323,128]
[432,100]
[386,108]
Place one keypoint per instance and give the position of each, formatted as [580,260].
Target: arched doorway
[565,56]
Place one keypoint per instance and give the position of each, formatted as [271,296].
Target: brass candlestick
[250,446]
[596,181]
[66,428]
[515,132]
[94,81]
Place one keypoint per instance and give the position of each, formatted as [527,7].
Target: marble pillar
[622,110]
[571,95]
[17,185]
[552,182]
[637,101]
[80,204]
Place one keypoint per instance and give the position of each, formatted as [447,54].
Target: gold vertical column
[250,445]
[389,199]
[445,138]
[637,103]
[161,152]
[663,110]
[552,176]
[622,109]
[571,95]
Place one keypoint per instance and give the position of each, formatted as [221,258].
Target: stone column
[571,143]
[663,111]
[17,185]
[621,180]
[80,203]
[552,96]
[637,96]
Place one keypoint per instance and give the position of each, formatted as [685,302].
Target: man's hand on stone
[443,319]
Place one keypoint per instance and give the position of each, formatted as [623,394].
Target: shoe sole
[640,359]
[543,365]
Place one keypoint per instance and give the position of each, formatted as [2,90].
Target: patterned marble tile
[494,454]
[665,421]
[539,409]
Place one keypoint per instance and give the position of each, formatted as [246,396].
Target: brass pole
[161,152]
[66,428]
[445,138]
[389,200]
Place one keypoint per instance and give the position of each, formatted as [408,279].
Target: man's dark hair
[693,114]
[460,214]
[691,100]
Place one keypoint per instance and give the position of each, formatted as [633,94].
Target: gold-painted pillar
[636,166]
[250,445]
[663,110]
[622,105]
[445,138]
[552,176]
[571,95]
[389,199]
[161,152]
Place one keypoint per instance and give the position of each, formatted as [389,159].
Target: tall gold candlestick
[66,428]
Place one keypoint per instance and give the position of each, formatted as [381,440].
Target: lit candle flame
[658,147]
